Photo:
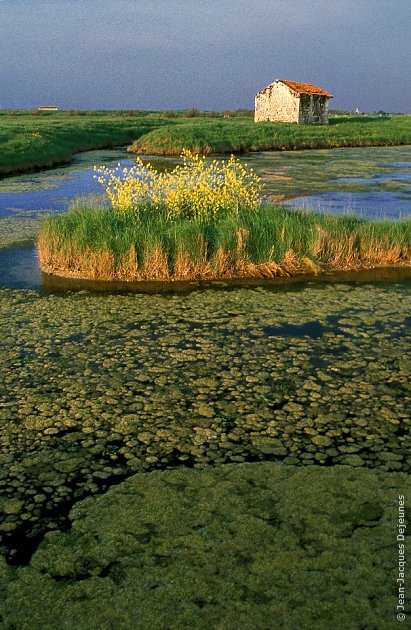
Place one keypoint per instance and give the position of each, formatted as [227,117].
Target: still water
[53,191]
[372,182]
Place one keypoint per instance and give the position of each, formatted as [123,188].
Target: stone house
[290,101]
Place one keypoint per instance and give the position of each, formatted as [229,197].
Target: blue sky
[174,54]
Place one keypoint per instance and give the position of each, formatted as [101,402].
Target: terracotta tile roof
[305,88]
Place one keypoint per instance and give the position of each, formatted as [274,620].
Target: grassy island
[240,135]
[204,220]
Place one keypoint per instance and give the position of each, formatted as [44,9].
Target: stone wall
[313,109]
[276,102]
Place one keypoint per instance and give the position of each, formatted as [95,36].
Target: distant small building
[290,101]
[48,108]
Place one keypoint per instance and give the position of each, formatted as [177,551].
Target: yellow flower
[194,189]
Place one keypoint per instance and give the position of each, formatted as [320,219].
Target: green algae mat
[241,546]
[252,445]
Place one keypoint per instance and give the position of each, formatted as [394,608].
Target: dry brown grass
[90,265]
[338,254]
[101,265]
[329,252]
[155,265]
[345,254]
[382,252]
[187,267]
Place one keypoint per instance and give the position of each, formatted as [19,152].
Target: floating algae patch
[241,546]
[17,231]
[97,387]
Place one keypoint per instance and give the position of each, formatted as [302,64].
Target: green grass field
[31,139]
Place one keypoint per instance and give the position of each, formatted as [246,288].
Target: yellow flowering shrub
[195,189]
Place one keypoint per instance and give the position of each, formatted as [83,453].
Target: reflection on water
[375,205]
[19,269]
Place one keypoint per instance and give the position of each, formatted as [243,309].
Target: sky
[211,55]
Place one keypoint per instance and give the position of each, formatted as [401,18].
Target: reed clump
[99,243]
